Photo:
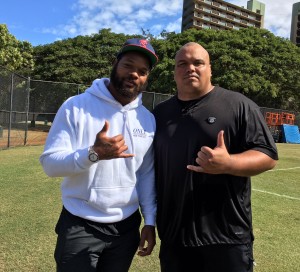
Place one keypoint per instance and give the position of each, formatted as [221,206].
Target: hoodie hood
[99,89]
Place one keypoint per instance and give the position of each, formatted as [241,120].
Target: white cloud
[131,16]
[174,26]
[127,16]
[143,15]
[167,8]
[277,15]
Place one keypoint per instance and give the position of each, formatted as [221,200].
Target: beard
[118,82]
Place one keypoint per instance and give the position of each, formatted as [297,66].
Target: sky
[46,21]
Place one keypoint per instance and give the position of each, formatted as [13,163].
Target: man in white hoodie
[101,143]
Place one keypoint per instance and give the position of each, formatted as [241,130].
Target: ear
[114,61]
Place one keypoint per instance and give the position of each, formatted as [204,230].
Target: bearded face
[127,84]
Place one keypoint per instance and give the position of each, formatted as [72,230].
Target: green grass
[30,205]
[276,213]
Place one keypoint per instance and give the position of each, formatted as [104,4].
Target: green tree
[258,64]
[15,55]
[80,59]
[75,60]
[252,61]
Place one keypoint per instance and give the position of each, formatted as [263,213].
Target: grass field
[30,205]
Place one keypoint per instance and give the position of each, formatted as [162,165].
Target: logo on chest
[211,120]
[139,132]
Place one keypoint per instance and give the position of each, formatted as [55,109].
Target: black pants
[213,258]
[85,246]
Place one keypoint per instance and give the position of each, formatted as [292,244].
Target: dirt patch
[34,136]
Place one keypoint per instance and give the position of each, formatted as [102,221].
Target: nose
[134,74]
[191,68]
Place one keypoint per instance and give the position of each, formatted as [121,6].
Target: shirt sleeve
[61,157]
[258,135]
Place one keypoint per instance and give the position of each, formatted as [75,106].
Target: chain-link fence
[28,107]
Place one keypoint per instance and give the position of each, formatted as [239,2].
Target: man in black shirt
[209,142]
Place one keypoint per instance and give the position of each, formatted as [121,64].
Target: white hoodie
[110,190]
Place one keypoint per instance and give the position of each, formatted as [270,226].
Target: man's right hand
[110,148]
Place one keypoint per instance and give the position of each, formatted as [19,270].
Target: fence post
[153,101]
[10,108]
[27,110]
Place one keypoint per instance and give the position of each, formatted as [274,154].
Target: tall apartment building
[295,26]
[218,14]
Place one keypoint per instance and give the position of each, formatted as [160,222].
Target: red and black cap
[140,45]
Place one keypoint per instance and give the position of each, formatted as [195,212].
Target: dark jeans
[85,246]
[212,258]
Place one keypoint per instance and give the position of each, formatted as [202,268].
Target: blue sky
[46,21]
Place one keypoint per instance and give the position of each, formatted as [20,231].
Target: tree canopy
[15,55]
[253,61]
[80,59]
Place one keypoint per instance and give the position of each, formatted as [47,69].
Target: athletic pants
[85,246]
[212,258]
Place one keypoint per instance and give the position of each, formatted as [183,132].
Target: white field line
[284,169]
[270,193]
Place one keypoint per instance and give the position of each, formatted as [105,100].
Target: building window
[216,4]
